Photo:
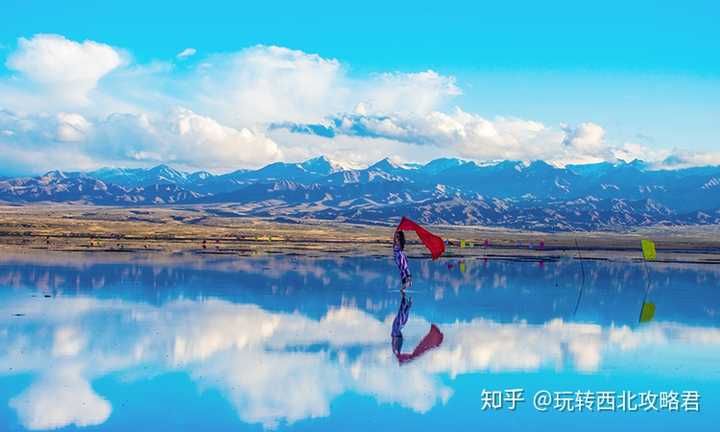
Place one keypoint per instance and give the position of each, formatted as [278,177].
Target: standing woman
[401,259]
[404,310]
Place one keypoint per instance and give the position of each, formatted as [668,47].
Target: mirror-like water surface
[290,343]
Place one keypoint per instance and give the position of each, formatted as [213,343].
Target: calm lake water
[93,342]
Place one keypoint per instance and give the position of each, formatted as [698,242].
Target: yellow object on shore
[648,248]
[647,313]
[462,244]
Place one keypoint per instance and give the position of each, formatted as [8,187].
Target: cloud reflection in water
[277,367]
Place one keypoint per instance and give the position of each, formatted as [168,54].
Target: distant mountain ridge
[534,195]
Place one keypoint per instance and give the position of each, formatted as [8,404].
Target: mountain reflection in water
[283,339]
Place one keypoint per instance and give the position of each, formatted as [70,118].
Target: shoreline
[173,230]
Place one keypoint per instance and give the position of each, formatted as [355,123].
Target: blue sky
[646,73]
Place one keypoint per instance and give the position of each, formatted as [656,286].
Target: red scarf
[435,244]
[431,340]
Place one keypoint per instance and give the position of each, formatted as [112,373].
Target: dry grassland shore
[206,230]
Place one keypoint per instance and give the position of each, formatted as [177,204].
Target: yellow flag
[648,248]
[647,313]
[462,243]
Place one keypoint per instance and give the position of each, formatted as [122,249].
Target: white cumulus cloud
[85,103]
[180,136]
[469,135]
[586,139]
[419,92]
[266,84]
[63,66]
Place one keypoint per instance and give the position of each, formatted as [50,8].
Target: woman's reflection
[432,339]
[399,322]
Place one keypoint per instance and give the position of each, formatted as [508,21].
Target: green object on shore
[648,248]
[647,313]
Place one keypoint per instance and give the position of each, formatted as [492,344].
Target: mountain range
[514,194]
